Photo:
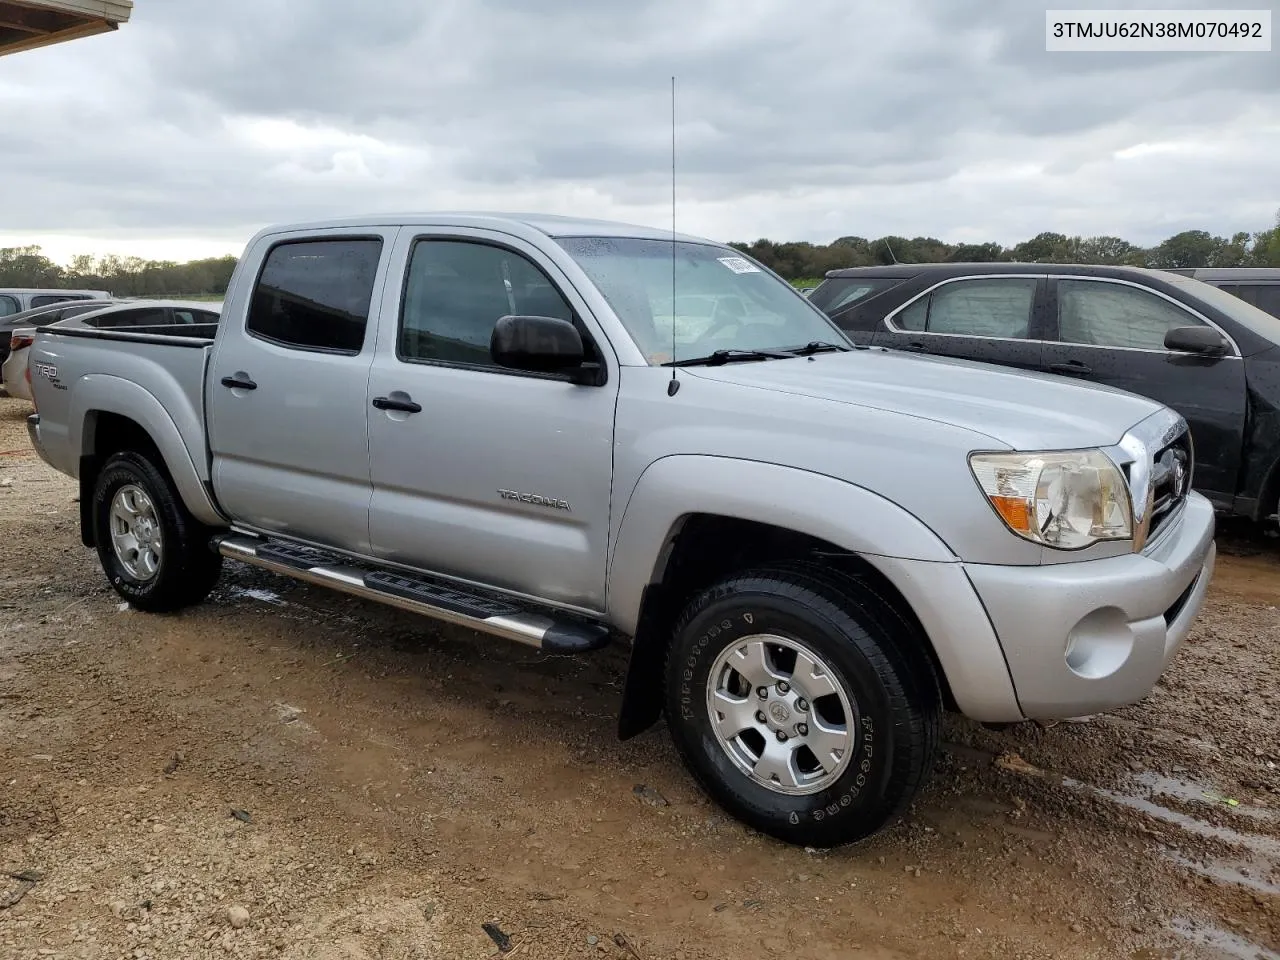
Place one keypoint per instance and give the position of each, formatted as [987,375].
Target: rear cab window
[315,294]
[123,319]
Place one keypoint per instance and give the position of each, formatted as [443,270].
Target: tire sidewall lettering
[843,797]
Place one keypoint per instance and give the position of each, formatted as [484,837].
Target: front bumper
[1086,637]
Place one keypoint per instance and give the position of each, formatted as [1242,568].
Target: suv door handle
[238,383]
[405,406]
[1071,368]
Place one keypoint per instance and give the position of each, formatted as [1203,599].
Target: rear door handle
[405,406]
[914,345]
[1071,368]
[239,383]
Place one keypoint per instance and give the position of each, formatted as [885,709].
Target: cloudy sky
[198,122]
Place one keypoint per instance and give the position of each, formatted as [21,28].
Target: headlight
[1066,500]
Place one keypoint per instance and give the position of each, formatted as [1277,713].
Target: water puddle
[1220,943]
[1156,784]
[1260,868]
[1246,873]
[256,593]
[1263,846]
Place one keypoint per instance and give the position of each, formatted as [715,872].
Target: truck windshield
[723,301]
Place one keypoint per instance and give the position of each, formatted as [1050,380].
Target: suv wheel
[802,703]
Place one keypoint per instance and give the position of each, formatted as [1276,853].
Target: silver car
[120,315]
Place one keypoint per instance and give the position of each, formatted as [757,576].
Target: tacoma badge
[535,499]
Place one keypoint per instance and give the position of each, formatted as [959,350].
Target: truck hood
[1021,409]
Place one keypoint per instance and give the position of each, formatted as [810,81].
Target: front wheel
[153,551]
[802,703]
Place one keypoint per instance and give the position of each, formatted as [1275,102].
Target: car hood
[1021,409]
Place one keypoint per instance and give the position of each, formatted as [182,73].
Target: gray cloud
[806,120]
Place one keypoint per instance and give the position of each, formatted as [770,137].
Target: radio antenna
[674,385]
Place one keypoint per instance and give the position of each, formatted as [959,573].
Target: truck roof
[551,225]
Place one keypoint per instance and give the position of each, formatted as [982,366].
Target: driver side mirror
[542,345]
[1203,340]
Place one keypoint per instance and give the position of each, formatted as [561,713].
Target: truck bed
[166,362]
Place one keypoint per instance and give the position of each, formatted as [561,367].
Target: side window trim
[371,320]
[929,291]
[1185,308]
[590,341]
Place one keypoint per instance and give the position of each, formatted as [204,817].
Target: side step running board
[436,598]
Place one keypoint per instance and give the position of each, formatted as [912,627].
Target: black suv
[1211,356]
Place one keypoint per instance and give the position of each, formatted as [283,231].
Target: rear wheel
[155,553]
[801,701]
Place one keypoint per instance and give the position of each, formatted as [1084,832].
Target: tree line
[1191,248]
[135,277]
[121,276]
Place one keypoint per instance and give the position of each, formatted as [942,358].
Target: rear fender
[97,394]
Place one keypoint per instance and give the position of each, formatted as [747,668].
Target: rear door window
[316,294]
[8,306]
[993,308]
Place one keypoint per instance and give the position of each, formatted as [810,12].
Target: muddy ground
[285,772]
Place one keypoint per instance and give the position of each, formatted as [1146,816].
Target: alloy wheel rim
[135,532]
[780,714]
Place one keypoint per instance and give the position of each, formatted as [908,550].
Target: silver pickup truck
[564,431]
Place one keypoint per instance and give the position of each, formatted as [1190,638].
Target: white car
[14,372]
[149,314]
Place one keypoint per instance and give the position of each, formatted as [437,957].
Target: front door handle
[405,406]
[1072,368]
[241,382]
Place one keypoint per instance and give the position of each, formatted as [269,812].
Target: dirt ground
[285,772]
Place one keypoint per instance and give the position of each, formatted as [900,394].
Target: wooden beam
[26,20]
[33,41]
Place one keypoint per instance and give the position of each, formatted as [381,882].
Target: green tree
[1043,248]
[1191,248]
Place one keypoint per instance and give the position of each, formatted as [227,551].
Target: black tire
[187,569]
[871,652]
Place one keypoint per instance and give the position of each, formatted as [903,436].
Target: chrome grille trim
[1158,458]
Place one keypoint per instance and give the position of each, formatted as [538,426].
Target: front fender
[99,393]
[675,487]
[924,570]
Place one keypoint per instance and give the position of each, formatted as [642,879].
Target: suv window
[8,306]
[975,308]
[48,298]
[1116,315]
[316,294]
[457,290]
[142,317]
[834,294]
[1264,296]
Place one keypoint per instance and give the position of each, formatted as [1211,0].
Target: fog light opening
[1099,644]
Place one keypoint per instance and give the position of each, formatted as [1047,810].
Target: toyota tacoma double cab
[570,432]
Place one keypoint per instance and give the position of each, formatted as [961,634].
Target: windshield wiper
[720,357]
[819,346]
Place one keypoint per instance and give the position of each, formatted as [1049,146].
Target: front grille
[1170,480]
